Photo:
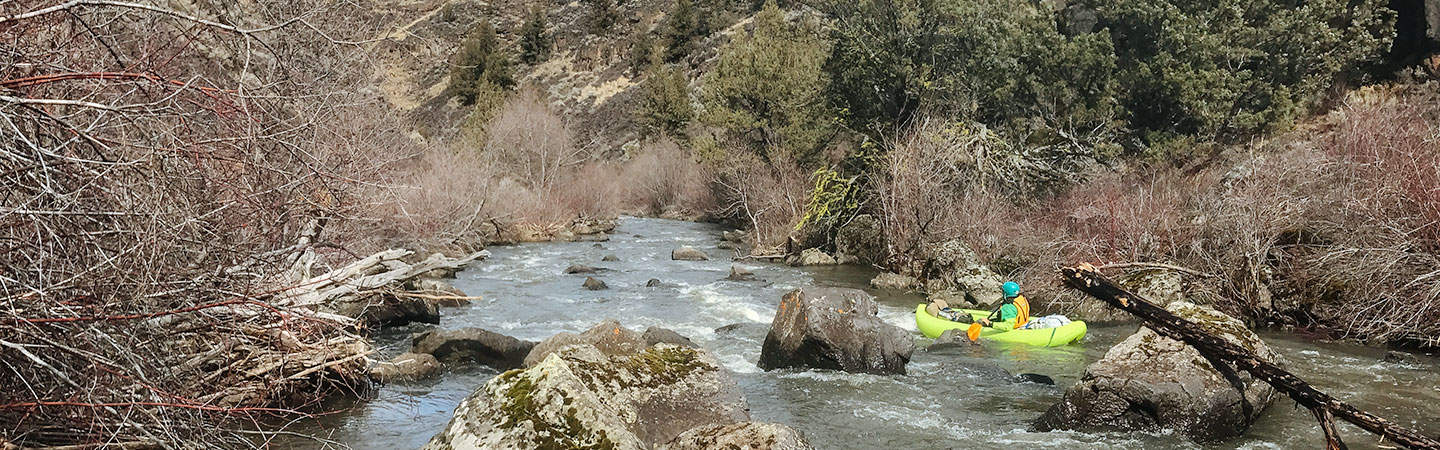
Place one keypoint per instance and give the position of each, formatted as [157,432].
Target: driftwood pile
[380,289]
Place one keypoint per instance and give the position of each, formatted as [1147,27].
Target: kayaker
[1012,307]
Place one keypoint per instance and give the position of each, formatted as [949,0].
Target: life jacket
[1022,309]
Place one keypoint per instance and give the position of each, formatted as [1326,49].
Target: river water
[942,403]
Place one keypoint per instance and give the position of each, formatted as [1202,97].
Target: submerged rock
[1149,382]
[406,367]
[594,284]
[608,336]
[748,435]
[688,254]
[580,397]
[473,345]
[654,282]
[580,268]
[951,339]
[812,257]
[738,273]
[610,258]
[834,328]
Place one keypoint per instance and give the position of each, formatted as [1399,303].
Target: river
[941,403]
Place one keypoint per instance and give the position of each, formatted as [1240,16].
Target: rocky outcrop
[863,239]
[473,345]
[608,336]
[895,281]
[748,435]
[811,257]
[406,367]
[953,265]
[657,335]
[581,397]
[593,284]
[1149,382]
[834,328]
[688,254]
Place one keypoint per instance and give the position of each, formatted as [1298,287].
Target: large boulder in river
[834,328]
[473,345]
[688,254]
[608,336]
[811,257]
[748,435]
[953,265]
[1150,382]
[580,397]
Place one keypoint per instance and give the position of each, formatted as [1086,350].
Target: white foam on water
[726,308]
[738,363]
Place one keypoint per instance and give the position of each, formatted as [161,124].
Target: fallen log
[1089,280]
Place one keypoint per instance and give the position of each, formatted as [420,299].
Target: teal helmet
[1010,288]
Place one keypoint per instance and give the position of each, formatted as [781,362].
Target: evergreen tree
[481,61]
[664,107]
[681,29]
[535,41]
[767,91]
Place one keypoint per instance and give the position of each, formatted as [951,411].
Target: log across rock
[834,328]
[1151,382]
[578,396]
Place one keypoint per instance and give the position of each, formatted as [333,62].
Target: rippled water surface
[944,402]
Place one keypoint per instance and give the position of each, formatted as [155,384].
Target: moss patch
[519,405]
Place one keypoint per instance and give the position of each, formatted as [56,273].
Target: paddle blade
[974,332]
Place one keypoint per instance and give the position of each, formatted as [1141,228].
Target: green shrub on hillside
[535,42]
[664,108]
[482,60]
[681,28]
[1226,68]
[766,92]
[1215,69]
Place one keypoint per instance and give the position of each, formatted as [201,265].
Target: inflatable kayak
[932,326]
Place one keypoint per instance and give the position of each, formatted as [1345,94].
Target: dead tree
[1089,280]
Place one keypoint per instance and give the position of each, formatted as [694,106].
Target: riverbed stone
[610,258]
[657,335]
[747,435]
[952,265]
[812,257]
[1150,382]
[406,367]
[580,268]
[738,273]
[834,328]
[594,284]
[688,254]
[654,282]
[581,397]
[891,280]
[473,345]
[608,336]
[952,338]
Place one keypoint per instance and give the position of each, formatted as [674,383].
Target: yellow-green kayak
[932,326]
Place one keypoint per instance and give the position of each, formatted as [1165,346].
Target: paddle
[974,331]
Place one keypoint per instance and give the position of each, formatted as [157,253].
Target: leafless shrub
[160,170]
[535,142]
[768,197]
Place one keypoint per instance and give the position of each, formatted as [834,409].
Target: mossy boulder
[1152,382]
[608,336]
[834,328]
[579,397]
